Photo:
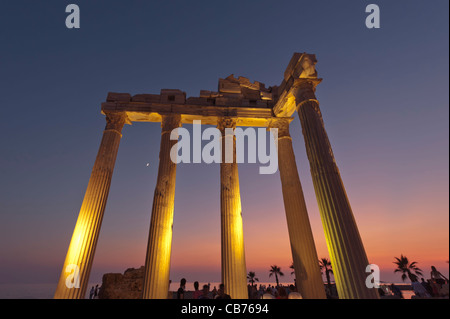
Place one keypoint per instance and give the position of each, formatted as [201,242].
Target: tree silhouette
[252,277]
[325,265]
[408,270]
[275,270]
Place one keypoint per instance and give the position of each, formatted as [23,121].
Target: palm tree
[408,270]
[275,270]
[252,277]
[325,265]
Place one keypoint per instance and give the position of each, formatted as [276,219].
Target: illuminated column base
[347,254]
[307,272]
[234,272]
[157,262]
[74,277]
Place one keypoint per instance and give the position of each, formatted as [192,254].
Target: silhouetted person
[181,290]
[91,293]
[197,293]
[437,276]
[205,292]
[96,291]
[282,293]
[221,293]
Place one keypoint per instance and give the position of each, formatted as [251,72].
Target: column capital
[282,124]
[226,122]
[170,122]
[304,90]
[115,121]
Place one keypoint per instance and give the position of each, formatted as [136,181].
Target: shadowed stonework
[122,286]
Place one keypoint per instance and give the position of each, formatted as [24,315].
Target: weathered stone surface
[260,103]
[223,101]
[197,101]
[205,93]
[227,86]
[173,96]
[302,65]
[251,94]
[238,92]
[232,92]
[123,286]
[266,95]
[146,98]
[118,97]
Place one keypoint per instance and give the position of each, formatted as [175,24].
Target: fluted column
[304,254]
[157,261]
[77,266]
[345,246]
[234,272]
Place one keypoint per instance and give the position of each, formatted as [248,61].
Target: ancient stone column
[306,265]
[157,261]
[234,272]
[74,277]
[347,254]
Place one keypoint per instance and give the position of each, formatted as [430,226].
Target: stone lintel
[209,115]
[250,102]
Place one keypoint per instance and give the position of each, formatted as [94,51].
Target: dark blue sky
[384,99]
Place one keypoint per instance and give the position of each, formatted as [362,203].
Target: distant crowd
[435,287]
[263,292]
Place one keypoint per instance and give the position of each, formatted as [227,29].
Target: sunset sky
[384,100]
